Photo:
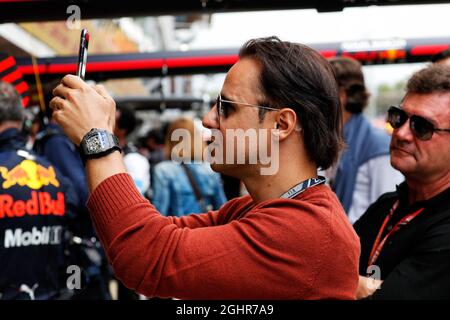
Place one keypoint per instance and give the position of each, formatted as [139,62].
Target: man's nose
[210,119]
[404,132]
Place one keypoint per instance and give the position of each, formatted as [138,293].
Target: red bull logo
[29,173]
[40,203]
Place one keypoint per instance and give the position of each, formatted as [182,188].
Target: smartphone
[82,54]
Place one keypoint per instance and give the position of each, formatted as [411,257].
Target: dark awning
[46,10]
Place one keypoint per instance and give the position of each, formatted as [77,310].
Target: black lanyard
[302,186]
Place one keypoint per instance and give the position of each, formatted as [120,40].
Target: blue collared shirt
[173,193]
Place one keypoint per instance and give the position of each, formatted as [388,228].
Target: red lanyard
[379,244]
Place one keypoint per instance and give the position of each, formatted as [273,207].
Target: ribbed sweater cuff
[112,196]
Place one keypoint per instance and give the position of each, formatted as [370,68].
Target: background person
[363,171]
[190,186]
[52,144]
[137,165]
[406,234]
[36,205]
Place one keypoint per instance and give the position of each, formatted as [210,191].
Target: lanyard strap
[379,244]
[302,186]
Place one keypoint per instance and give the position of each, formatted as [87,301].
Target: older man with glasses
[405,235]
[288,239]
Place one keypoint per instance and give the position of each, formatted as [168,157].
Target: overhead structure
[158,64]
[161,103]
[47,10]
[164,63]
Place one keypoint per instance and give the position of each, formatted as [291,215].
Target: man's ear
[286,122]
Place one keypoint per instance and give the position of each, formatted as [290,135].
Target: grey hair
[10,103]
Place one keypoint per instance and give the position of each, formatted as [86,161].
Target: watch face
[98,143]
[93,144]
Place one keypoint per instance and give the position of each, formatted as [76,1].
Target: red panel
[428,50]
[134,65]
[364,56]
[124,65]
[13,76]
[67,68]
[328,53]
[22,87]
[201,61]
[7,63]
[30,70]
[25,101]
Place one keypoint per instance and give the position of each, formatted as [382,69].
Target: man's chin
[226,169]
[401,163]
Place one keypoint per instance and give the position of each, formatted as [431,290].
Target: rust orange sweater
[301,248]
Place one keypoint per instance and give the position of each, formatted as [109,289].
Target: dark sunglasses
[223,106]
[420,127]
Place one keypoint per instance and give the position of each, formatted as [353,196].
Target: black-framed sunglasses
[223,106]
[422,128]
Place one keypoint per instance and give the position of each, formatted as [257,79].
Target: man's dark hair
[433,79]
[127,119]
[350,78]
[10,103]
[441,56]
[298,77]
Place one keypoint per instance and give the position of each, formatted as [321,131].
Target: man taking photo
[288,239]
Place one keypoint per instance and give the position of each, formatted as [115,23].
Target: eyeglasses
[420,127]
[224,106]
